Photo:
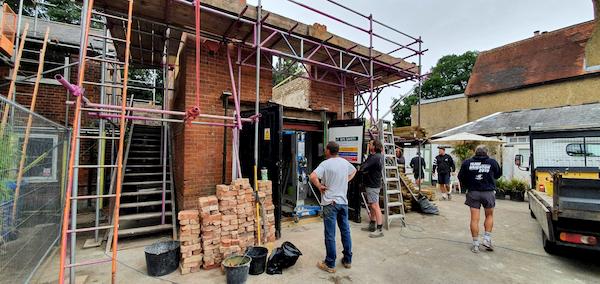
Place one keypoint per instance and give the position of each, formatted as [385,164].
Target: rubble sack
[282,257]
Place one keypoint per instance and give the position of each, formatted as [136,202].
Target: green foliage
[448,77]
[145,78]
[8,157]
[284,68]
[64,11]
[502,185]
[506,186]
[517,185]
[464,151]
[402,112]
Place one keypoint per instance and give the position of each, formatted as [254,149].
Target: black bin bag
[282,257]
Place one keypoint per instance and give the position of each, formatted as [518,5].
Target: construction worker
[478,175]
[331,177]
[444,165]
[400,159]
[372,168]
[417,163]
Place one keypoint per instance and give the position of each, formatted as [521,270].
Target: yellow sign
[267,134]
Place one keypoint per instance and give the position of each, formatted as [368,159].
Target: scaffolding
[142,39]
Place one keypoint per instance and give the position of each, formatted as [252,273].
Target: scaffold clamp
[191,114]
[73,89]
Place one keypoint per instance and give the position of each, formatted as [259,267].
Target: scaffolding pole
[258,44]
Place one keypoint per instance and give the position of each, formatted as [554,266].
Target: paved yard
[432,249]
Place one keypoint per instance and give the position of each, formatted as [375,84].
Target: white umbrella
[465,137]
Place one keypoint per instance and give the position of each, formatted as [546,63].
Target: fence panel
[30,219]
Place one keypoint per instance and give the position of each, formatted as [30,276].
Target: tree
[448,77]
[284,68]
[64,11]
[402,111]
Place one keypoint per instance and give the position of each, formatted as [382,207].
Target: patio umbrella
[465,137]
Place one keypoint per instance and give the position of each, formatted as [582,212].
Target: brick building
[549,69]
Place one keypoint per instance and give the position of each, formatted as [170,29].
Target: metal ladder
[69,229]
[393,206]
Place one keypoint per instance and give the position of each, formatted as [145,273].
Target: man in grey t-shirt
[334,174]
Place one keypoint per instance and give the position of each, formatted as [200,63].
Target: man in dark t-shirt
[444,165]
[373,170]
[417,163]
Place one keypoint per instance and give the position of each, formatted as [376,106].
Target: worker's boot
[370,227]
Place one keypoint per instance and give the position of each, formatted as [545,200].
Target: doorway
[302,151]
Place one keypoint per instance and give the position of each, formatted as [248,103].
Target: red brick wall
[50,103]
[326,96]
[51,97]
[199,149]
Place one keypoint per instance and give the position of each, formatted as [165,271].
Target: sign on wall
[349,135]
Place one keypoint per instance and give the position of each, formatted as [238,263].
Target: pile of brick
[189,236]
[227,199]
[225,223]
[246,212]
[210,231]
[265,193]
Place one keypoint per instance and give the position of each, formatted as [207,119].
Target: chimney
[536,33]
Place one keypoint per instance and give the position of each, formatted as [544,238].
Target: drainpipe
[225,97]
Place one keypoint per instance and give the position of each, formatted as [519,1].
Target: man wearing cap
[331,177]
[478,176]
[444,165]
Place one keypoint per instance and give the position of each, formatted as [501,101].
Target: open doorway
[302,152]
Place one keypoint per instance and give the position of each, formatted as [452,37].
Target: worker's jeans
[331,214]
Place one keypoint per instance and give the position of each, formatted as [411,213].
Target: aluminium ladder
[69,228]
[393,206]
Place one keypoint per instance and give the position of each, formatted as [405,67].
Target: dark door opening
[302,153]
[269,150]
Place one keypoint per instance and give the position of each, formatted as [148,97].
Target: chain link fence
[30,211]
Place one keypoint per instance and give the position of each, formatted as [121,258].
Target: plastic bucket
[259,259]
[236,268]
[162,258]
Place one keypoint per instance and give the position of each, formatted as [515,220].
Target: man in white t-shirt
[334,174]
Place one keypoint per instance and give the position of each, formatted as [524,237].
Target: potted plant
[501,186]
[518,188]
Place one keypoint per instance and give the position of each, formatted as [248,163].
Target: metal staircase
[147,196]
[393,205]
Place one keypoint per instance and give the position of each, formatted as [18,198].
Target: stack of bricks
[265,193]
[227,196]
[189,236]
[211,220]
[246,212]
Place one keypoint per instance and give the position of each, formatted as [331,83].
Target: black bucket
[259,259]
[162,258]
[236,268]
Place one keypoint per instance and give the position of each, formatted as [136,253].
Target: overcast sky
[446,27]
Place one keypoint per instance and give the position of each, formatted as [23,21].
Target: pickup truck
[570,214]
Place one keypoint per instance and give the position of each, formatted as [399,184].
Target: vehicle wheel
[549,247]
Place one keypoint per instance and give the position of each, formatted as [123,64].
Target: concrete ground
[432,249]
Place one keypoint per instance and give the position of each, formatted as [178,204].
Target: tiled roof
[546,57]
[559,118]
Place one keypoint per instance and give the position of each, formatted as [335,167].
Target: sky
[446,27]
